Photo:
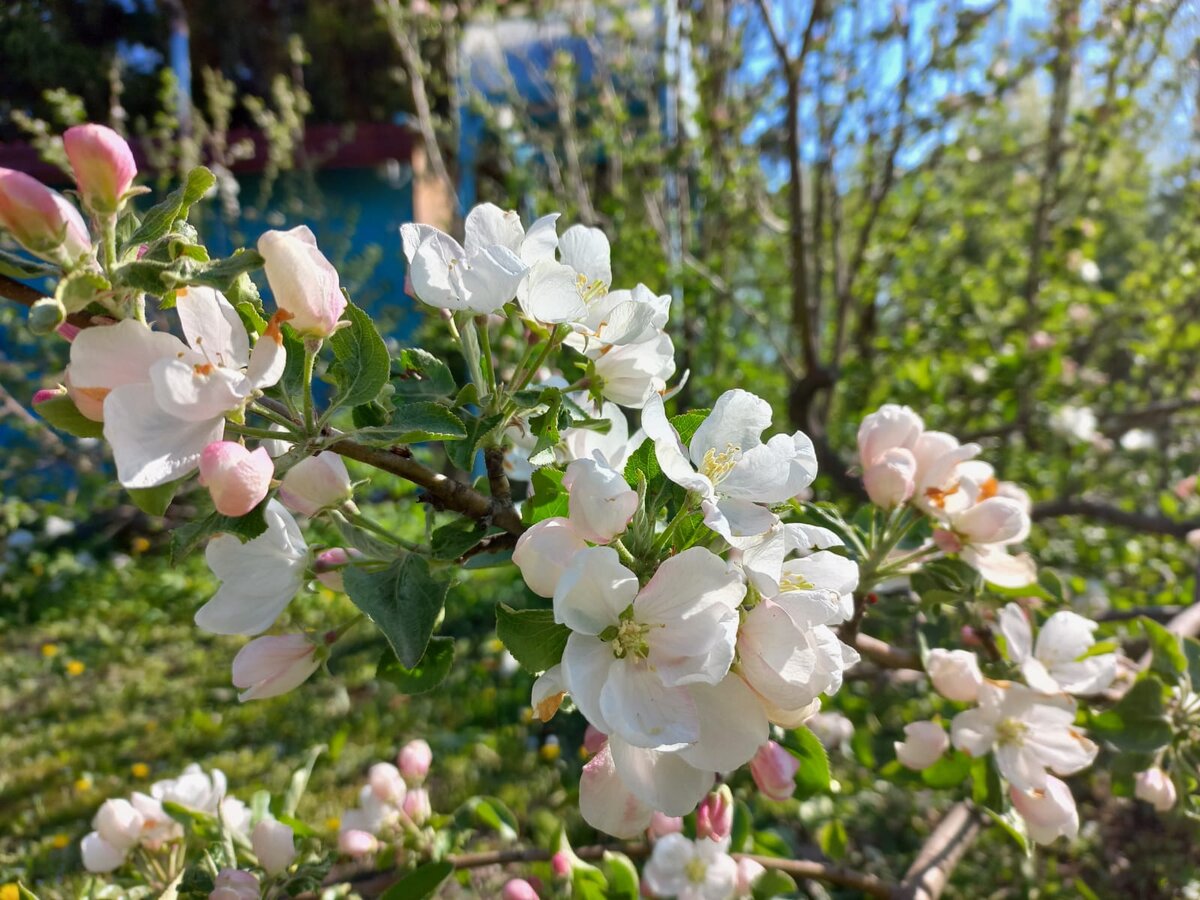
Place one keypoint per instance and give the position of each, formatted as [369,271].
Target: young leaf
[531,636]
[549,498]
[154,501]
[1138,723]
[419,375]
[494,814]
[1167,656]
[420,884]
[622,876]
[178,203]
[403,600]
[413,423]
[773,883]
[833,840]
[62,413]
[452,540]
[462,453]
[813,774]
[431,671]
[363,365]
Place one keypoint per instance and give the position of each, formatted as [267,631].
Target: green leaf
[427,674]
[187,538]
[154,501]
[363,366]
[531,636]
[452,540]
[419,375]
[218,273]
[1049,582]
[1191,649]
[949,771]
[16,266]
[421,883]
[1138,724]
[299,781]
[813,775]
[622,876]
[403,600]
[494,814]
[62,413]
[773,883]
[159,219]
[1014,826]
[986,789]
[413,423]
[743,822]
[549,498]
[462,453]
[833,840]
[1168,658]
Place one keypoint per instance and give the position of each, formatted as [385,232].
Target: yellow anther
[715,466]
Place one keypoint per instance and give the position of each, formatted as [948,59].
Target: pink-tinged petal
[316,483]
[150,446]
[1001,568]
[606,803]
[601,501]
[923,745]
[663,781]
[544,552]
[892,426]
[1049,813]
[237,478]
[111,356]
[268,359]
[774,771]
[273,665]
[303,282]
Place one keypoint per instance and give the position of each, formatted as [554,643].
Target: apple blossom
[483,273]
[547,695]
[620,317]
[518,889]
[1049,812]
[193,788]
[274,845]
[728,466]
[165,401]
[258,578]
[273,665]
[357,843]
[387,784]
[417,806]
[414,760]
[99,855]
[891,479]
[157,826]
[691,870]
[304,283]
[891,427]
[41,220]
[119,823]
[1076,423]
[1028,733]
[234,884]
[938,457]
[328,566]
[103,165]
[955,674]
[237,478]
[601,501]
[774,771]
[631,374]
[372,815]
[632,653]
[1155,787]
[544,551]
[1059,660]
[923,745]
[316,483]
[606,803]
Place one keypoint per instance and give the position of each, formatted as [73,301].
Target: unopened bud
[414,760]
[714,817]
[355,842]
[103,165]
[560,864]
[923,745]
[42,220]
[519,889]
[46,315]
[774,771]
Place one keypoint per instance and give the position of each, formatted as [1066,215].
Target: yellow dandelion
[333,823]
[9,892]
[550,751]
[139,770]
[139,545]
[75,667]
[49,651]
[83,784]
[60,841]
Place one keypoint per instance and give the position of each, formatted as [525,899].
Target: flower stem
[310,359]
[351,512]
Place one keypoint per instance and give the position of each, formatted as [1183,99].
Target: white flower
[1077,423]
[194,788]
[274,845]
[99,855]
[691,870]
[119,823]
[163,400]
[938,457]
[955,674]
[923,745]
[544,552]
[1057,662]
[615,445]
[234,884]
[562,291]
[892,478]
[632,374]
[157,826]
[729,467]
[387,784]
[1156,788]
[601,500]
[632,653]
[305,284]
[372,815]
[258,578]
[1138,439]
[482,274]
[1049,812]
[273,665]
[621,317]
[1028,733]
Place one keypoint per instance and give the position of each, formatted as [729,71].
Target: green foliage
[427,674]
[532,637]
[363,365]
[403,600]
[188,537]
[421,883]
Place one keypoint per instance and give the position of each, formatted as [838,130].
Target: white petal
[99,855]
[551,294]
[111,356]
[733,725]
[195,392]
[1018,636]
[412,235]
[644,712]
[268,359]
[213,327]
[488,225]
[433,280]
[586,662]
[593,591]
[738,419]
[1001,568]
[150,446]
[586,251]
[541,240]
[491,278]
[663,781]
[973,731]
[1064,637]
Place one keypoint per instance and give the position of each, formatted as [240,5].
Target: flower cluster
[975,515]
[393,797]
[683,663]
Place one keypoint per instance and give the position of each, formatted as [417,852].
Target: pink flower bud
[41,220]
[955,674]
[355,842]
[67,331]
[543,552]
[661,825]
[1156,788]
[234,884]
[304,283]
[47,394]
[923,745]
[317,483]
[414,760]
[237,478]
[714,816]
[274,845]
[560,864]
[593,739]
[273,665]
[519,889]
[891,479]
[417,806]
[387,784]
[329,564]
[103,165]
[996,520]
[1049,813]
[774,771]
[891,426]
[1040,340]
[1185,487]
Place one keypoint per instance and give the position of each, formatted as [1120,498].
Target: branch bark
[1104,512]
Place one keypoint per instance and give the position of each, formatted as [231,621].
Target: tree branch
[493,458]
[1103,512]
[927,877]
